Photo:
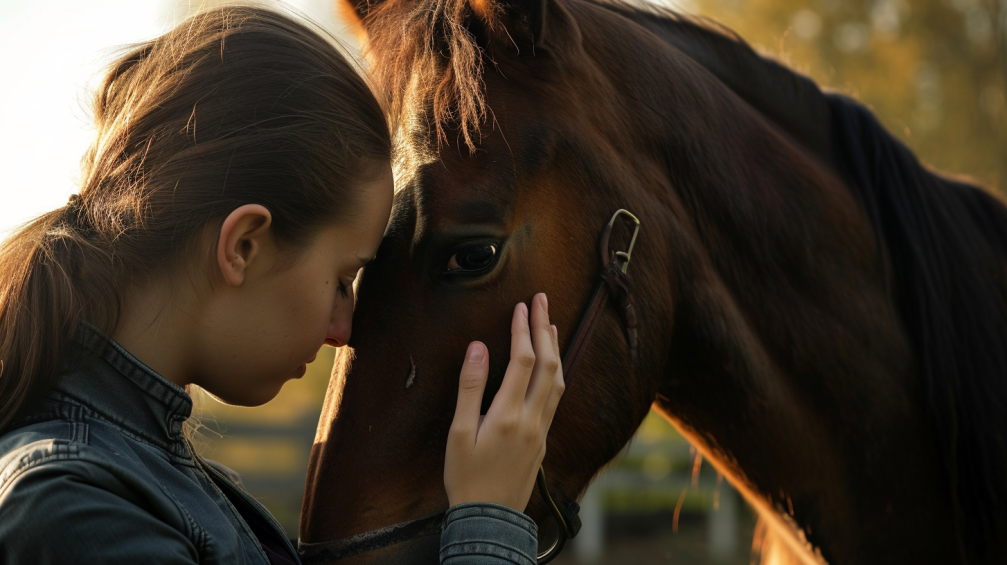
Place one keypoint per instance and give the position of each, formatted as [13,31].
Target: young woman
[239,180]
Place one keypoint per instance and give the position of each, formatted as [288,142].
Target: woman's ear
[241,240]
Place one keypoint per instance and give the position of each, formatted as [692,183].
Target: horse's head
[504,181]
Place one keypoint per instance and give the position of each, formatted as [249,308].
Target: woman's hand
[496,458]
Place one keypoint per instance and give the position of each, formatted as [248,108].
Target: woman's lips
[299,372]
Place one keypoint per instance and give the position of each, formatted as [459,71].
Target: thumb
[471,385]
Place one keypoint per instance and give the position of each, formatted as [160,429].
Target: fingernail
[545,303]
[524,310]
[477,352]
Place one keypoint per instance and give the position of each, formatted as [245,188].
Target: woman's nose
[340,326]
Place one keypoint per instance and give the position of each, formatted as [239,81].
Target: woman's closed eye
[344,285]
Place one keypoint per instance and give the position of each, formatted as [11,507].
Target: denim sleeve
[76,512]
[481,533]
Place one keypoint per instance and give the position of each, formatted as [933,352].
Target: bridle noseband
[615,284]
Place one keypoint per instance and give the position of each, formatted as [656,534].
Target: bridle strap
[615,282]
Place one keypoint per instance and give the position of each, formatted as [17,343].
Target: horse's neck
[786,355]
[787,358]
[939,236]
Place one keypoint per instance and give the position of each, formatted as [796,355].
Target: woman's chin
[254,391]
[251,397]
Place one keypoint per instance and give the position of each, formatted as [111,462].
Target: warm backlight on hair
[53,55]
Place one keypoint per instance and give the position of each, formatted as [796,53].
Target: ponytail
[40,304]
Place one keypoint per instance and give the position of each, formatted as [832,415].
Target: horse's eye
[473,258]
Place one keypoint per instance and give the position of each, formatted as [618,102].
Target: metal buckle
[626,255]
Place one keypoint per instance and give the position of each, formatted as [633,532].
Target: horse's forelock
[426,62]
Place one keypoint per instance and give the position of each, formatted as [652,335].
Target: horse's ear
[527,23]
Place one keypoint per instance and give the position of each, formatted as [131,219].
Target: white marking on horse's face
[412,373]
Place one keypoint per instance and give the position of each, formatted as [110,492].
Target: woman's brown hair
[235,105]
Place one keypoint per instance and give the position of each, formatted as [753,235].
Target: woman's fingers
[522,362]
[471,385]
[497,459]
[547,361]
[558,385]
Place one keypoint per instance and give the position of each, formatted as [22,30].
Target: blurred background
[933,71]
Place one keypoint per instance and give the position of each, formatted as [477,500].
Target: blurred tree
[932,70]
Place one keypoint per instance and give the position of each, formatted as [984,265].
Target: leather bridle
[614,284]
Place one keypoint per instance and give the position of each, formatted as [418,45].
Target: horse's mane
[947,245]
[946,240]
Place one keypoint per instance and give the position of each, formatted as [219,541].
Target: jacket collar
[117,387]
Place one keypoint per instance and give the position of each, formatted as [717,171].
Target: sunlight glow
[53,54]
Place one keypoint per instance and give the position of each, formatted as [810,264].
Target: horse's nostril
[412,373]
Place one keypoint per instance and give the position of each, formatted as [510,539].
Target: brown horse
[821,316]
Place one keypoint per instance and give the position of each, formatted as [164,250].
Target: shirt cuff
[483,533]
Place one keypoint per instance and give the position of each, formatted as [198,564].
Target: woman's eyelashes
[345,284]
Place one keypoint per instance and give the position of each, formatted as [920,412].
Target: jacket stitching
[62,450]
[85,411]
[517,523]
